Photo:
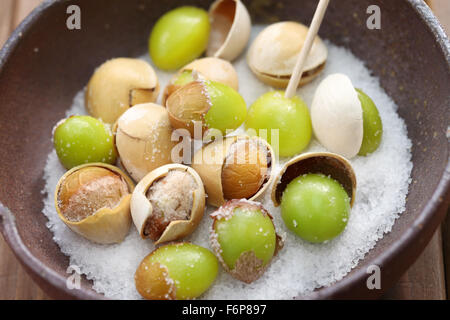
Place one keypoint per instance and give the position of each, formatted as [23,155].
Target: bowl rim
[439,201]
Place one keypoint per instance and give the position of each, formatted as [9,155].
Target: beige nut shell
[107,225]
[141,207]
[187,107]
[143,139]
[337,116]
[209,161]
[274,52]
[329,164]
[209,68]
[119,84]
[230,29]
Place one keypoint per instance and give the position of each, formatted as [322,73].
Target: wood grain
[424,280]
[23,8]
[441,9]
[6,19]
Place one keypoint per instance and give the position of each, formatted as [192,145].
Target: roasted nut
[143,139]
[235,168]
[211,104]
[213,69]
[94,201]
[176,271]
[119,84]
[345,120]
[273,54]
[329,164]
[83,139]
[168,203]
[316,192]
[244,239]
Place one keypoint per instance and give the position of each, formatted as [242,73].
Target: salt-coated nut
[166,208]
[210,163]
[326,163]
[230,29]
[119,84]
[144,139]
[93,200]
[273,54]
[245,255]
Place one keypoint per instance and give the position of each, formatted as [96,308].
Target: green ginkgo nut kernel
[83,139]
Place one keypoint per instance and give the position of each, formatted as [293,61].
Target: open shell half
[274,53]
[98,210]
[143,212]
[326,163]
[230,29]
[209,162]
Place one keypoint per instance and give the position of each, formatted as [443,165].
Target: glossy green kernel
[372,125]
[83,139]
[272,111]
[178,37]
[315,207]
[191,269]
[247,230]
[183,78]
[228,109]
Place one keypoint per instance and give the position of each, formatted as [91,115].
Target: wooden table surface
[424,280]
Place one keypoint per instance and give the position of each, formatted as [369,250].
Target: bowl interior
[50,63]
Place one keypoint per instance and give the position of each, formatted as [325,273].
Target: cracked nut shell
[326,163]
[93,200]
[119,84]
[143,139]
[168,203]
[235,167]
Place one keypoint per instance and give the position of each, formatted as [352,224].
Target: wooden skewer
[312,33]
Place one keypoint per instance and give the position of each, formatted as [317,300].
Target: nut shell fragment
[142,210]
[274,52]
[230,29]
[143,139]
[329,164]
[209,163]
[119,84]
[188,105]
[105,223]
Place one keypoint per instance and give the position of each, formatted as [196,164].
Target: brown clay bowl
[410,54]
